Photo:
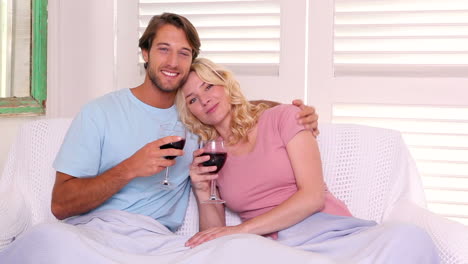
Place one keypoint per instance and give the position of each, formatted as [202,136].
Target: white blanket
[120,237]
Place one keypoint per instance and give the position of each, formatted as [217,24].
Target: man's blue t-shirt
[110,129]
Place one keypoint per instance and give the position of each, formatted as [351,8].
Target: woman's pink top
[255,183]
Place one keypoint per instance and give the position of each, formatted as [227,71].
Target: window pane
[15,65]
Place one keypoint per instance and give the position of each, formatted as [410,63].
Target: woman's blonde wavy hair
[244,114]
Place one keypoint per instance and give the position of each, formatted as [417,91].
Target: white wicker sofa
[370,169]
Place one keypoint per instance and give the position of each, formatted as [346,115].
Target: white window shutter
[242,35]
[401,38]
[368,70]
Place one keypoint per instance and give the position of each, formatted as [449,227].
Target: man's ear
[145,54]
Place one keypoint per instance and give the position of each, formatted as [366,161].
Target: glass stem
[167,175]
[213,190]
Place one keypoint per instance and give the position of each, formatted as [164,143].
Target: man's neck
[152,96]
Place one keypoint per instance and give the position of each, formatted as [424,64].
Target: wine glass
[173,129]
[215,149]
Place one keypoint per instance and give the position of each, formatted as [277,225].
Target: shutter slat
[408,53]
[402,44]
[459,219]
[402,30]
[406,111]
[188,1]
[240,32]
[435,140]
[250,7]
[231,20]
[412,69]
[400,17]
[447,196]
[409,125]
[440,154]
[398,5]
[441,59]
[445,182]
[443,168]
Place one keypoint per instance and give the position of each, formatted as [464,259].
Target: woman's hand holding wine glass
[216,151]
[207,162]
[200,175]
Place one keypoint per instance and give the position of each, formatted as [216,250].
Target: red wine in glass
[176,145]
[216,159]
[172,129]
[215,149]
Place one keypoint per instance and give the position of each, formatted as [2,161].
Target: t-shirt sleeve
[80,152]
[287,122]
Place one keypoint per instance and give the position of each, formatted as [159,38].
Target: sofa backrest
[29,164]
[367,168]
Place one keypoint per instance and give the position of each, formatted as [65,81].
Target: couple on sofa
[110,164]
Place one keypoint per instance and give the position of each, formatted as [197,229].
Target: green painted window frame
[35,104]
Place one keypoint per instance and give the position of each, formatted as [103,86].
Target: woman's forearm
[295,209]
[210,215]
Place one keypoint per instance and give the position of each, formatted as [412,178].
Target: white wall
[9,127]
[81,62]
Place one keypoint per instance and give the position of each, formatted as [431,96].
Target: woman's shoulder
[281,121]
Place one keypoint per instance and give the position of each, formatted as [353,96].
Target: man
[109,165]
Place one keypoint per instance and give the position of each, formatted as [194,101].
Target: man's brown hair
[178,21]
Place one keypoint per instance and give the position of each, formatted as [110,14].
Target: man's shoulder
[106,101]
[109,97]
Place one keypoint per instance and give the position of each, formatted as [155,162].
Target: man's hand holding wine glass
[169,129]
[150,159]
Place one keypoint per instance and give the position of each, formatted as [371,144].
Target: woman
[273,179]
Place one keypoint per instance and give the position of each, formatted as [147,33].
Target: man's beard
[158,84]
